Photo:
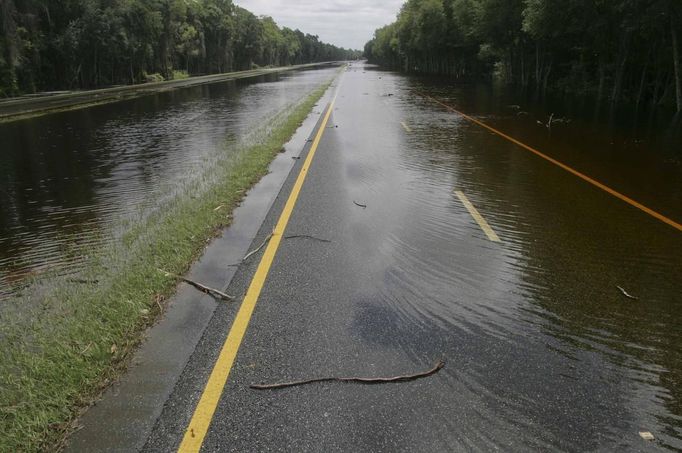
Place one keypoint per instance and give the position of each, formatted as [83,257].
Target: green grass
[77,338]
[152,78]
[179,75]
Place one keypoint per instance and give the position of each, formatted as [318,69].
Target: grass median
[77,338]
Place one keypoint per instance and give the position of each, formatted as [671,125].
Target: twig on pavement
[626,294]
[265,241]
[203,288]
[306,236]
[360,380]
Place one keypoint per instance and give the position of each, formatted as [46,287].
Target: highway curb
[124,418]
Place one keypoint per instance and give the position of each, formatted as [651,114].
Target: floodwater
[542,343]
[544,351]
[68,179]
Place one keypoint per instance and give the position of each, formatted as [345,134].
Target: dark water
[68,179]
[635,151]
[544,351]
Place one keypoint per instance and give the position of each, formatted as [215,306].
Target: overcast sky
[345,23]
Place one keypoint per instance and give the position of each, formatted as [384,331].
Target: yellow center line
[203,414]
[477,217]
[405,126]
[582,176]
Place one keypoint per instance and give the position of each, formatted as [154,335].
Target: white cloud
[346,23]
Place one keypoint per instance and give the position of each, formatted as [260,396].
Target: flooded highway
[556,306]
[71,182]
[560,350]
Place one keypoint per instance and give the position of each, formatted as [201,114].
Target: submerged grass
[67,108]
[139,90]
[78,337]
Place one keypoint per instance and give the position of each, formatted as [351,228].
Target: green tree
[49,44]
[615,50]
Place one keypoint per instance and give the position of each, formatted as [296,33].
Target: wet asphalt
[542,351]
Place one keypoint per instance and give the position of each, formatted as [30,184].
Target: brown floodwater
[544,351]
[539,332]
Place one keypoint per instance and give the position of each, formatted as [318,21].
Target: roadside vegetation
[84,44]
[624,50]
[71,338]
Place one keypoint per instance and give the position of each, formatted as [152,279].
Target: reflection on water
[543,350]
[535,328]
[68,179]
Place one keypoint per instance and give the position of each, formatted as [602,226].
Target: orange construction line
[582,176]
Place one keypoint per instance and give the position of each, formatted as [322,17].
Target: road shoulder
[124,418]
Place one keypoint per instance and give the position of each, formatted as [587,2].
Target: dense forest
[66,44]
[616,50]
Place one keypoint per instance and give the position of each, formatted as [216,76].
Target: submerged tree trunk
[602,78]
[537,68]
[523,70]
[642,80]
[546,78]
[9,27]
[620,69]
[676,66]
[667,85]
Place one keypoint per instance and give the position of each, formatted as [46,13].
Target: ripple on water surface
[71,181]
[534,328]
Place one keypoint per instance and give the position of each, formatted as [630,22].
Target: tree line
[616,50]
[66,44]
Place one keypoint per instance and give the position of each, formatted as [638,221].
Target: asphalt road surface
[446,241]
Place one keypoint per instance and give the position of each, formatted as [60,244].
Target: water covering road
[543,350]
[71,181]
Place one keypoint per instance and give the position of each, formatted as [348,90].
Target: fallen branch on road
[203,288]
[363,206]
[253,252]
[360,380]
[265,241]
[625,293]
[306,236]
